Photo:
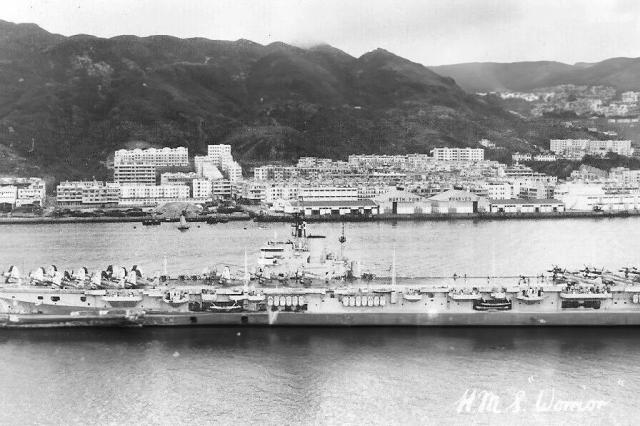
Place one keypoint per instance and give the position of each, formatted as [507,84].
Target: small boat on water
[151,222]
[184,226]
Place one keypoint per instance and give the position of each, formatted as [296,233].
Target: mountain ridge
[66,103]
[620,72]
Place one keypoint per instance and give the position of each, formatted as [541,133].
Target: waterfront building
[150,195]
[338,207]
[281,192]
[334,193]
[526,206]
[455,201]
[17,192]
[8,195]
[578,148]
[87,194]
[134,173]
[502,190]
[590,196]
[162,157]
[222,188]
[253,191]
[398,200]
[458,154]
[202,189]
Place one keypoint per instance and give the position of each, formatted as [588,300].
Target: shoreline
[385,217]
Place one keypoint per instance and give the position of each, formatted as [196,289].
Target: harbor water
[324,376]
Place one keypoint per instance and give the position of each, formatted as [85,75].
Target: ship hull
[305,319]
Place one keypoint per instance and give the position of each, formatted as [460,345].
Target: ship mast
[342,240]
[393,268]
[246,272]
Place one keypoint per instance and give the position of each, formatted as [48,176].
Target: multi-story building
[502,190]
[458,154]
[234,171]
[220,154]
[578,148]
[148,195]
[177,178]
[202,189]
[87,194]
[22,191]
[222,188]
[163,157]
[281,192]
[134,173]
[624,176]
[317,193]
[545,158]
[590,196]
[273,172]
[517,156]
[206,167]
[254,191]
[588,173]
[8,195]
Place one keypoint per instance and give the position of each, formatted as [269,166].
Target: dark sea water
[325,376]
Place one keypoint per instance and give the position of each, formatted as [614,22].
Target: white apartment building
[502,190]
[202,189]
[578,148]
[206,167]
[148,195]
[458,154]
[87,194]
[624,176]
[377,161]
[22,191]
[592,196]
[222,188]
[517,156]
[281,192]
[234,171]
[255,191]
[134,173]
[545,157]
[163,157]
[177,178]
[273,172]
[321,193]
[220,155]
[8,194]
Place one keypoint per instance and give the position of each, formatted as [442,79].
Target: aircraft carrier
[296,282]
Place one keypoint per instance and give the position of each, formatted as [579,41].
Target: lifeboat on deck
[465,296]
[492,304]
[412,296]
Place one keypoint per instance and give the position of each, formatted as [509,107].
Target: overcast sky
[431,32]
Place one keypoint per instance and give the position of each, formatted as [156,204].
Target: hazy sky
[429,31]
